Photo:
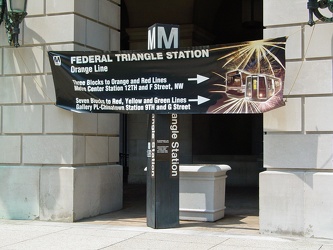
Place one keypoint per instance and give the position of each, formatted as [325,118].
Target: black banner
[235,78]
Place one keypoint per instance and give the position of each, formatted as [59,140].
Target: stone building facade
[296,194]
[63,166]
[56,165]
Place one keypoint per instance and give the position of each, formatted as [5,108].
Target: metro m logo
[57,60]
[163,36]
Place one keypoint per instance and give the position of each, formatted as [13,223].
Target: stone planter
[202,191]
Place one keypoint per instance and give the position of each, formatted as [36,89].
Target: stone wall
[55,164]
[296,194]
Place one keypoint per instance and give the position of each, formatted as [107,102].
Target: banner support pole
[163,150]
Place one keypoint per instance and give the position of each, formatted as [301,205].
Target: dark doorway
[232,134]
[235,140]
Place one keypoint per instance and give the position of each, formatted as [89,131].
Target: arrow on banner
[200,100]
[199,79]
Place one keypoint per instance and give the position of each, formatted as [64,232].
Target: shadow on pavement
[241,214]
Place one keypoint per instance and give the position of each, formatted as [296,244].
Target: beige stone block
[3,37]
[108,124]
[318,204]
[114,149]
[36,7]
[309,77]
[69,194]
[284,12]
[287,118]
[23,119]
[114,40]
[79,150]
[296,203]
[80,30]
[294,41]
[281,203]
[78,47]
[98,190]
[10,149]
[38,89]
[62,29]
[99,31]
[57,120]
[48,149]
[56,194]
[87,8]
[85,123]
[298,151]
[23,60]
[1,56]
[109,14]
[318,40]
[318,115]
[19,192]
[59,47]
[86,192]
[97,149]
[59,6]
[11,89]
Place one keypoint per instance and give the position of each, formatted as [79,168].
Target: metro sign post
[163,149]
[245,77]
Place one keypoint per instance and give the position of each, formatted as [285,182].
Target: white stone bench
[202,191]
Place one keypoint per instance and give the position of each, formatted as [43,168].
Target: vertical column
[163,149]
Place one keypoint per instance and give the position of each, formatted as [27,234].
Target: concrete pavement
[126,229]
[91,235]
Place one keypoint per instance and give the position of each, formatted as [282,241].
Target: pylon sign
[246,77]
[163,36]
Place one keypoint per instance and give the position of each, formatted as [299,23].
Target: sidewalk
[126,229]
[83,235]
